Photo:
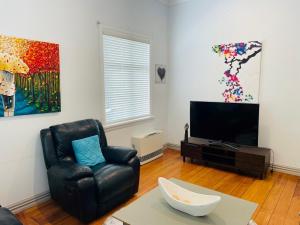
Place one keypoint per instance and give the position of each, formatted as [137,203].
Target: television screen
[226,122]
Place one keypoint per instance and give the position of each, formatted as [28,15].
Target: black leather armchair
[88,192]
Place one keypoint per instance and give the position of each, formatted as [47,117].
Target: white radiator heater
[149,145]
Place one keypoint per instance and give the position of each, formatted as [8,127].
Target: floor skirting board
[39,198]
[286,169]
[279,168]
[29,202]
[172,146]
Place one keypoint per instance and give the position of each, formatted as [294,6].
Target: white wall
[72,24]
[198,24]
[193,27]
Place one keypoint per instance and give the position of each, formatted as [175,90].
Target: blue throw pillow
[88,151]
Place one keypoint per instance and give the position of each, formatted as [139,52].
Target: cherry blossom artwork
[29,77]
[241,71]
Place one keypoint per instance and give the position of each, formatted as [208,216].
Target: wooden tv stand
[253,161]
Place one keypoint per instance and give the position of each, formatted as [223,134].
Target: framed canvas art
[239,71]
[29,77]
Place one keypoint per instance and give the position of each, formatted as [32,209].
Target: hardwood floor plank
[278,196]
[259,189]
[293,215]
[280,213]
[266,210]
[242,187]
[229,184]
[211,178]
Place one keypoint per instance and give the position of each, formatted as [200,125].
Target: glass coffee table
[152,209]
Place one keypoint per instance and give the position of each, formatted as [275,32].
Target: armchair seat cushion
[112,180]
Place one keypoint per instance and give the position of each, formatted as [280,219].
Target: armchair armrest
[70,171]
[119,154]
[73,187]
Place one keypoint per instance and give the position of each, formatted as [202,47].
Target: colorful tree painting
[29,77]
[236,56]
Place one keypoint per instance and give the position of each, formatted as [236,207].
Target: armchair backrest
[57,140]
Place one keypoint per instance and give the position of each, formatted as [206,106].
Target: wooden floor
[278,196]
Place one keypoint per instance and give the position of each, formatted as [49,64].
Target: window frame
[106,30]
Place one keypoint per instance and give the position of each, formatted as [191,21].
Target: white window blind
[126,79]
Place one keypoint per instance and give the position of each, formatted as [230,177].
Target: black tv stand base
[253,161]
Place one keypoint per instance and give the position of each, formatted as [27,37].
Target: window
[126,78]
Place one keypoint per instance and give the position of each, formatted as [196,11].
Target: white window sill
[126,123]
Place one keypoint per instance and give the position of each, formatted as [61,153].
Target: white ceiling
[172,2]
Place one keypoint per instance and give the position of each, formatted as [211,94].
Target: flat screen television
[235,123]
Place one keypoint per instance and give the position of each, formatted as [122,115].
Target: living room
[177,40]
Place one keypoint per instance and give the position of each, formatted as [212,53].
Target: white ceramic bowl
[187,201]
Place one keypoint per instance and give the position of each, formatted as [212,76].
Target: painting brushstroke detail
[236,56]
[29,77]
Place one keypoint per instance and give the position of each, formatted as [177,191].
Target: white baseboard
[278,168]
[286,169]
[34,200]
[29,202]
[172,146]
[40,198]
